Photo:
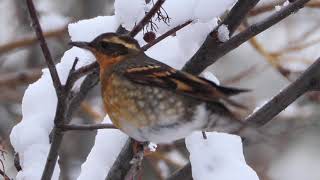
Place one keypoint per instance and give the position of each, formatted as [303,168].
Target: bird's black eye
[113,48]
[105,45]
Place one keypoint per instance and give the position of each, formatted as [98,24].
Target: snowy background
[27,111]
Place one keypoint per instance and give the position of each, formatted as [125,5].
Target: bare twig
[17,78]
[5,48]
[86,127]
[146,18]
[44,47]
[271,6]
[163,36]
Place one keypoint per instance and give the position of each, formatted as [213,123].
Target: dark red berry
[149,36]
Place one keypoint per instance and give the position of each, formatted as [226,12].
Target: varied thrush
[151,101]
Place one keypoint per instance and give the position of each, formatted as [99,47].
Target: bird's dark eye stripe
[113,48]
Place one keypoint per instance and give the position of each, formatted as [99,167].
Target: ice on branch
[223,33]
[220,156]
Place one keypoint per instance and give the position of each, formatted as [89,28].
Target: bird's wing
[163,76]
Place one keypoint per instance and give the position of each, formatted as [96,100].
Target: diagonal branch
[210,53]
[146,18]
[165,35]
[308,81]
[53,71]
[206,52]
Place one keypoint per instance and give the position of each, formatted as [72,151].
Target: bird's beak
[80,44]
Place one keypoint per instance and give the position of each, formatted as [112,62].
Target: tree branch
[306,82]
[146,18]
[30,40]
[86,127]
[13,79]
[53,71]
[122,164]
[163,36]
[205,55]
[211,53]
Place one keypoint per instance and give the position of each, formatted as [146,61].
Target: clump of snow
[152,147]
[220,156]
[286,3]
[128,13]
[295,66]
[223,33]
[205,10]
[211,77]
[87,30]
[277,8]
[108,144]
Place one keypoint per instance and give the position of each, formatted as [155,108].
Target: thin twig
[53,71]
[146,18]
[86,127]
[5,48]
[14,79]
[165,35]
[271,6]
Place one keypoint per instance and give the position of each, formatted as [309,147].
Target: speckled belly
[144,111]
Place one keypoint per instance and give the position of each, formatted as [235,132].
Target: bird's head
[110,48]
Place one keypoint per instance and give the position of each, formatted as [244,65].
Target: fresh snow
[213,158]
[220,157]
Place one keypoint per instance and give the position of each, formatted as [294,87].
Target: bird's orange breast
[119,102]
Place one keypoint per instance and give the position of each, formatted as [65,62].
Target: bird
[153,102]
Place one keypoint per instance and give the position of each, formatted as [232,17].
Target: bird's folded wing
[180,82]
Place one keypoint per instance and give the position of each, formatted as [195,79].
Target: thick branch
[208,49]
[307,81]
[212,52]
[122,164]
